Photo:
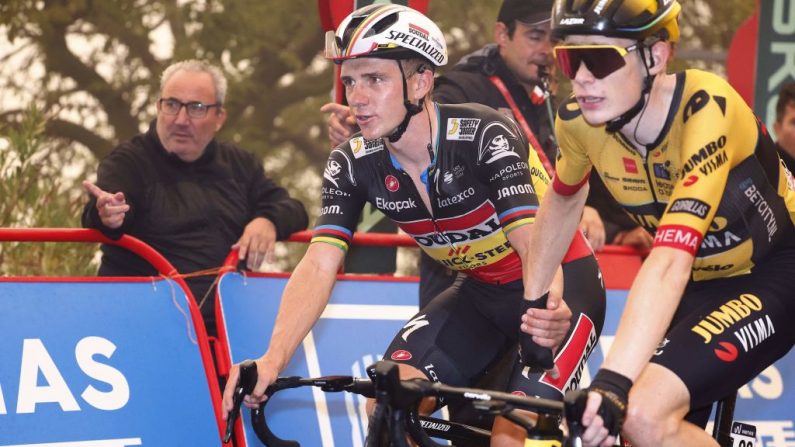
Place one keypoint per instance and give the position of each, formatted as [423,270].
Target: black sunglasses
[601,60]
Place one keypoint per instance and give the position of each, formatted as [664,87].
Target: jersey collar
[434,152]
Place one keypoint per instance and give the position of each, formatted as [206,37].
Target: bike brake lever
[245,385]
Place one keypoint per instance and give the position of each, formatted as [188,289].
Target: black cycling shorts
[466,329]
[726,331]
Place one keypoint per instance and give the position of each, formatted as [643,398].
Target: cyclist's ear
[659,53]
[424,83]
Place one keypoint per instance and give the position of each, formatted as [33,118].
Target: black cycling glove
[531,353]
[614,389]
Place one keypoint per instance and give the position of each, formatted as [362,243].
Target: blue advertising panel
[101,364]
[360,322]
[353,332]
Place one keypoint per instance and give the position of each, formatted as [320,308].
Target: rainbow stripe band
[331,241]
[335,235]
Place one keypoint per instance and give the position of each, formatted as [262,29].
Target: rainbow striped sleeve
[335,235]
[515,217]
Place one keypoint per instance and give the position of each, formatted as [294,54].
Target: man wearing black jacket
[187,195]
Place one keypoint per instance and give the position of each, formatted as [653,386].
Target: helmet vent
[375,29]
[632,18]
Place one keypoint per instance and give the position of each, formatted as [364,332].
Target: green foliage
[36,194]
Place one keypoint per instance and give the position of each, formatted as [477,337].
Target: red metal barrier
[156,260]
[619,263]
[404,240]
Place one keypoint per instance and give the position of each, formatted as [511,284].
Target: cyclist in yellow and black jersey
[684,155]
[710,184]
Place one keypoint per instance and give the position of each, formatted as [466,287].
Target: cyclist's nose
[583,75]
[357,95]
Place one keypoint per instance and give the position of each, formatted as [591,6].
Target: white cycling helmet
[388,32]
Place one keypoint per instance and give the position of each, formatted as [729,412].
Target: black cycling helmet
[629,19]
[638,20]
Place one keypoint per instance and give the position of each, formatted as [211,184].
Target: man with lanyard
[457,179]
[712,305]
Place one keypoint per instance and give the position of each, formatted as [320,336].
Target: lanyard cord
[522,122]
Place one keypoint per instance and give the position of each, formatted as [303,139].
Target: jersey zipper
[430,213]
[428,179]
[644,162]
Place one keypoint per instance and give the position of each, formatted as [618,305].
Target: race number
[743,435]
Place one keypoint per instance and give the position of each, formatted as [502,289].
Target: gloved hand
[530,353]
[614,389]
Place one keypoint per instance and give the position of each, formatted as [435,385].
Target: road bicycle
[395,415]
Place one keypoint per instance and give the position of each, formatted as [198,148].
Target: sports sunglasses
[601,60]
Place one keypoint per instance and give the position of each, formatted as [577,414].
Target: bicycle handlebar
[400,396]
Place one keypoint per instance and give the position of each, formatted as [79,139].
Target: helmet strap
[618,123]
[411,109]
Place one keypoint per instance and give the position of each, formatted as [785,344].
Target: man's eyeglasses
[601,60]
[172,106]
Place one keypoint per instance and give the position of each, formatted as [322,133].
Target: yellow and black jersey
[712,184]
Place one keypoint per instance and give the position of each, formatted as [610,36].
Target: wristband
[614,389]
[530,353]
